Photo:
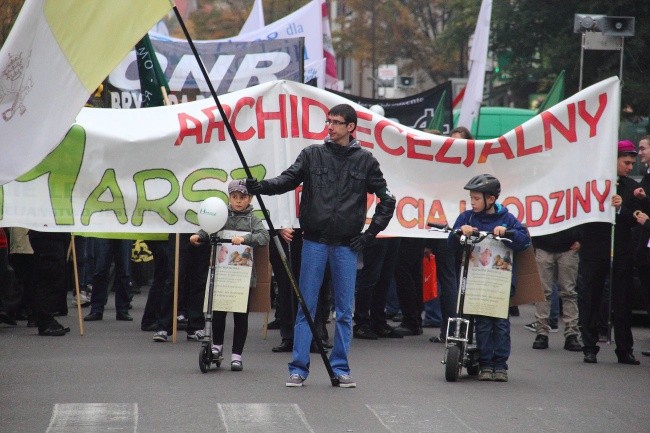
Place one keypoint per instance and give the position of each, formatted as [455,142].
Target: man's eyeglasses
[335,122]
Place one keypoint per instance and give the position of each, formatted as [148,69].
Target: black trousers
[285,301]
[373,280]
[240,331]
[408,278]
[161,271]
[593,274]
[49,275]
[193,267]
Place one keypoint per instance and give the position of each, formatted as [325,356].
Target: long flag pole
[276,240]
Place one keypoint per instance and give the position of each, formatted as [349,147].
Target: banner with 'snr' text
[231,66]
[147,170]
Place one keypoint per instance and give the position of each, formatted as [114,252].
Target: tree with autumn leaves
[531,40]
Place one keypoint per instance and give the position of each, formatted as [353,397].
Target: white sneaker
[532,327]
[346,381]
[295,380]
[160,336]
[216,353]
[197,335]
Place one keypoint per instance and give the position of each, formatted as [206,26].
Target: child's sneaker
[486,374]
[197,335]
[216,353]
[500,375]
[160,336]
[295,380]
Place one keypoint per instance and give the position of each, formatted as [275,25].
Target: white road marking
[407,419]
[93,417]
[263,418]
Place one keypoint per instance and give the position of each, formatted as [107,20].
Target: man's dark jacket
[335,182]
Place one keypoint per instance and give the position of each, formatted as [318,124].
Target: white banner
[147,170]
[305,22]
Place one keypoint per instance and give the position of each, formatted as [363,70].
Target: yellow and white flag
[56,55]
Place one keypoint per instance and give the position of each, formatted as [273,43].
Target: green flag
[152,79]
[555,95]
[438,120]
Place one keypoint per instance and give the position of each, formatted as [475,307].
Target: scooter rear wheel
[452,364]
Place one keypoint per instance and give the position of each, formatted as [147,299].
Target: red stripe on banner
[458,98]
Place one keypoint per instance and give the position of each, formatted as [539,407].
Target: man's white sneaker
[295,380]
[197,335]
[346,381]
[160,336]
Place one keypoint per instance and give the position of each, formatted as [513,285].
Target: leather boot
[626,357]
[590,354]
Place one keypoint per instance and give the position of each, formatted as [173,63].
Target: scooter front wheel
[452,364]
[205,358]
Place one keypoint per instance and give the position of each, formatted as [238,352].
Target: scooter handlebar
[476,235]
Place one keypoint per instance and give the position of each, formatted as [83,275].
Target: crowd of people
[361,279]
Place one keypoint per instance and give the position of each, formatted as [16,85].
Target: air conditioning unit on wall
[406,81]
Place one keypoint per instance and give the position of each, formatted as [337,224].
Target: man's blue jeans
[343,266]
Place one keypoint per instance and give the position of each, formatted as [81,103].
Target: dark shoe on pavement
[92,317]
[645,352]
[406,331]
[397,318]
[274,324]
[6,318]
[430,325]
[54,330]
[532,327]
[541,342]
[387,331]
[284,346]
[590,358]
[149,328]
[125,317]
[364,333]
[627,358]
[236,365]
[572,344]
[437,339]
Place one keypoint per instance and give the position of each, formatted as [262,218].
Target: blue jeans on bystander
[343,267]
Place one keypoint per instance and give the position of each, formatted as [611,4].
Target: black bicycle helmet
[485,183]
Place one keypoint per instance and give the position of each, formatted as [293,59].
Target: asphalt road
[115,378]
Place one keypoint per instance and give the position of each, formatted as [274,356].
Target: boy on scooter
[492,334]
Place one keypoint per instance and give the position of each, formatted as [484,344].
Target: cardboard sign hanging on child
[489,279]
[233,268]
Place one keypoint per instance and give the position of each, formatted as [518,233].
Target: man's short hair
[346,111]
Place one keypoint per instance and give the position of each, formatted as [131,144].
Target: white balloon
[378,109]
[213,214]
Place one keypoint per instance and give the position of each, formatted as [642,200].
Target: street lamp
[600,32]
